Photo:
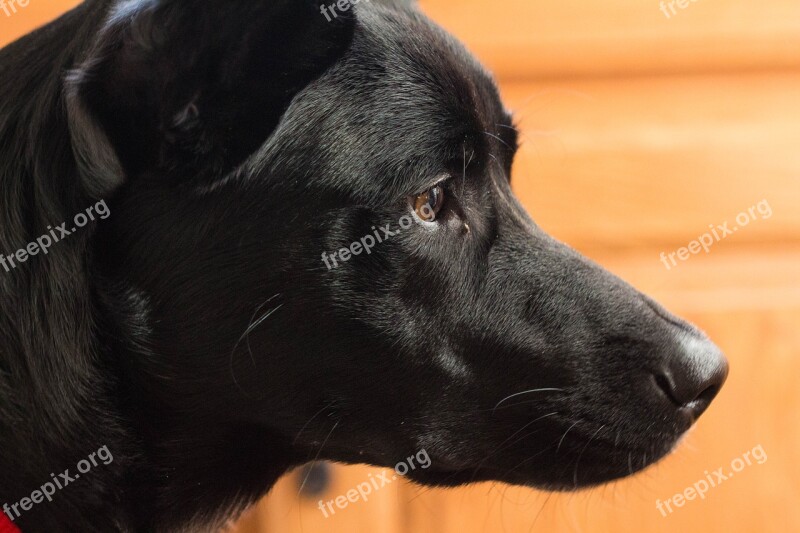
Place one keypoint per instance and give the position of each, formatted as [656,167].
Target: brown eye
[428,204]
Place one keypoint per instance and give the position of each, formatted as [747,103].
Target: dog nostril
[698,405]
[665,384]
[707,395]
[693,377]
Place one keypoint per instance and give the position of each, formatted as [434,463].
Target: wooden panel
[753,278]
[545,38]
[35,14]
[656,160]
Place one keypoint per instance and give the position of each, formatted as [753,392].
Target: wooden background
[638,132]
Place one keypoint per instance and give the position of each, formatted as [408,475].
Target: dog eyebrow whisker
[471,157]
[493,136]
[464,171]
[525,392]
[507,127]
[497,161]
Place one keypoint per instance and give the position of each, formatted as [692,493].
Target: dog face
[349,269]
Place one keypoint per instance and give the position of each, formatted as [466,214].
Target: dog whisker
[514,468]
[564,436]
[250,328]
[502,446]
[527,392]
[254,325]
[310,420]
[578,462]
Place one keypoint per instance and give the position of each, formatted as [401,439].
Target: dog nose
[694,375]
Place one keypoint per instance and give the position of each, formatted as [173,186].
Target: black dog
[310,249]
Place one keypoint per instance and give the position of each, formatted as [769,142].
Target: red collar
[6,525]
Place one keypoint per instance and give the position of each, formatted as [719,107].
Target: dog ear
[190,88]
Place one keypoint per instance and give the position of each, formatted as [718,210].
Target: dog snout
[692,375]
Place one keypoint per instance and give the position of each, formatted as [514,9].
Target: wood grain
[627,162]
[534,39]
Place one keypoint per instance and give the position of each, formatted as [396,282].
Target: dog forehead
[407,47]
[409,95]
[430,96]
[391,112]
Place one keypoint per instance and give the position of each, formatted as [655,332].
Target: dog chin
[603,463]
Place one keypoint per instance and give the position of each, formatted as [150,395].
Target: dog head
[314,226]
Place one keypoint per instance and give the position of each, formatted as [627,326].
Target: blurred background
[644,126]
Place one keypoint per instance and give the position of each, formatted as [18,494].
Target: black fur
[198,334]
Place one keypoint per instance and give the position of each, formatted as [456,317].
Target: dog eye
[428,204]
